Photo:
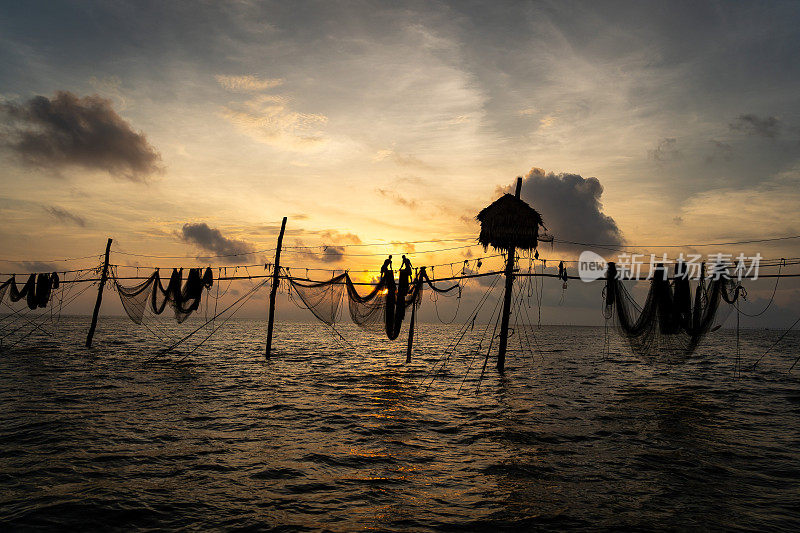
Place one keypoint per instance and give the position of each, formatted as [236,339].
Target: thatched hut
[509,223]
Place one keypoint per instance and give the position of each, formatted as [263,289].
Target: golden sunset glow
[396,130]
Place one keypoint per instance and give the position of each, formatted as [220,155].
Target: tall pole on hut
[274,289]
[501,352]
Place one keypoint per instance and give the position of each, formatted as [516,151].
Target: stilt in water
[103,278]
[274,289]
[411,332]
[501,348]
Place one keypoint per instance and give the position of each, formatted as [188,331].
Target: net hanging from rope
[671,324]
[36,291]
[182,298]
[323,299]
[381,310]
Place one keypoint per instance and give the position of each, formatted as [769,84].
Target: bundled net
[182,298]
[671,324]
[40,291]
[384,308]
[369,311]
[381,310]
[36,292]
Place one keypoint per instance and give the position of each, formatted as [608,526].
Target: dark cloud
[721,150]
[325,254]
[65,216]
[36,266]
[274,229]
[71,131]
[571,208]
[769,127]
[212,240]
[332,254]
[665,151]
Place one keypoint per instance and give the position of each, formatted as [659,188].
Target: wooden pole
[103,278]
[411,331]
[501,350]
[274,289]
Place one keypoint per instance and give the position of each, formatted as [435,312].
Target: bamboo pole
[274,289]
[411,331]
[509,273]
[103,278]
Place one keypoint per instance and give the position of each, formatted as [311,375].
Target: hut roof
[508,222]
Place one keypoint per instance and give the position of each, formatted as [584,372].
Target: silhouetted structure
[507,224]
[274,289]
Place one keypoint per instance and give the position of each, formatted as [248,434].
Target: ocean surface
[342,435]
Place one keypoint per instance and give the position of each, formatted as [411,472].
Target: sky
[188,130]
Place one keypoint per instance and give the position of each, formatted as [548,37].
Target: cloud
[665,151]
[269,119]
[65,216]
[721,150]
[337,237]
[332,254]
[571,208]
[460,119]
[36,266]
[68,130]
[327,254]
[546,122]
[403,160]
[769,127]
[110,85]
[212,240]
[396,198]
[247,83]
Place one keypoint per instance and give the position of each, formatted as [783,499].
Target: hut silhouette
[509,223]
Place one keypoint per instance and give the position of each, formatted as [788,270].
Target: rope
[491,343]
[40,317]
[213,330]
[771,298]
[462,331]
[186,337]
[94,256]
[775,344]
[617,246]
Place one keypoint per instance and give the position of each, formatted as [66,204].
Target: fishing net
[670,325]
[384,308]
[183,298]
[381,310]
[134,299]
[369,311]
[36,291]
[323,299]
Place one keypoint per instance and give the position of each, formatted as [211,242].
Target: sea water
[341,435]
